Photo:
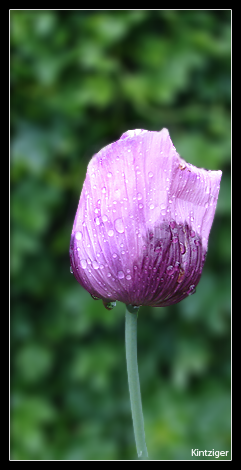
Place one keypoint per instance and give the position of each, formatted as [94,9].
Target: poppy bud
[140,233]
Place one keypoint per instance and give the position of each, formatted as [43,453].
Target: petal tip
[132,133]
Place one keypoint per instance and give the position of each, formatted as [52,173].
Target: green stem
[133,380]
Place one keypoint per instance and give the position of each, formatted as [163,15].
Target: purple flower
[141,229]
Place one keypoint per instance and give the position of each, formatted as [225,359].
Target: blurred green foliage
[79,79]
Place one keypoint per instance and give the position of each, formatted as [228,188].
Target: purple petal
[141,229]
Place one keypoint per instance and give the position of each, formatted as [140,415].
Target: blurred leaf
[33,362]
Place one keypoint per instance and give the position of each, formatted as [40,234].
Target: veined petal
[141,229]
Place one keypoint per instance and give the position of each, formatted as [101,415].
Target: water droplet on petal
[71,270]
[78,235]
[114,255]
[103,190]
[139,196]
[95,265]
[111,233]
[140,206]
[170,270]
[128,277]
[163,209]
[151,206]
[109,174]
[191,290]
[119,226]
[83,263]
[182,248]
[110,305]
[104,218]
[150,174]
[120,275]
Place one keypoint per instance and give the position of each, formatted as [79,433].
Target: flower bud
[140,233]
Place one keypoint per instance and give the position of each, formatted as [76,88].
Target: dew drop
[191,290]
[95,265]
[151,206]
[150,174]
[104,218]
[103,190]
[140,206]
[182,248]
[128,277]
[111,233]
[83,263]
[78,235]
[119,226]
[170,270]
[120,275]
[97,220]
[139,196]
[94,297]
[109,174]
[71,270]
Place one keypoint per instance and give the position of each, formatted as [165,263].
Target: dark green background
[79,79]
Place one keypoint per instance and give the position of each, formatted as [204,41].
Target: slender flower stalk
[133,380]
